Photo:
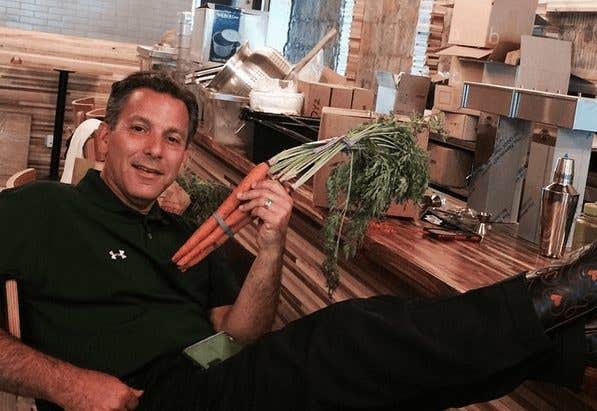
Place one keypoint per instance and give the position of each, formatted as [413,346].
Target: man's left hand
[269,201]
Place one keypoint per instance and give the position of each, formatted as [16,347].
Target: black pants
[381,353]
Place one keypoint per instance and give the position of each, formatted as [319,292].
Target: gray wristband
[223,224]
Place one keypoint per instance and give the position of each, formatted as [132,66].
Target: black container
[274,133]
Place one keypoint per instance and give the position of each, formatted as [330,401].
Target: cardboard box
[316,97]
[331,77]
[363,99]
[545,64]
[461,126]
[320,95]
[336,122]
[401,93]
[218,31]
[341,96]
[411,94]
[448,98]
[449,166]
[500,74]
[485,23]
[467,64]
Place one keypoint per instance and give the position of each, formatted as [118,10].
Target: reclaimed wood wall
[28,82]
[354,45]
[15,129]
[442,14]
[581,30]
[387,36]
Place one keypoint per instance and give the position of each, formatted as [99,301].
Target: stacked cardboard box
[333,90]
[319,95]
[401,93]
[481,31]
[501,51]
[438,36]
[336,122]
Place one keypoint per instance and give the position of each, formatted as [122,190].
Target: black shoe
[591,339]
[565,292]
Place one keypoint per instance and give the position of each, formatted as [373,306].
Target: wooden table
[395,259]
[398,245]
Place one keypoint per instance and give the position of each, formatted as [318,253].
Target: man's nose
[154,145]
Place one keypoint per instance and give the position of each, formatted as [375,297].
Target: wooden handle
[320,45]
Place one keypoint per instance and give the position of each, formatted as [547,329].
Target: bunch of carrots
[210,235]
[302,162]
[296,164]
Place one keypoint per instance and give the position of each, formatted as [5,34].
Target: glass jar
[586,226]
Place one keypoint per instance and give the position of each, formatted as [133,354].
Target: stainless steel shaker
[558,206]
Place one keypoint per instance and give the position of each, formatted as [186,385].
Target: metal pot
[246,67]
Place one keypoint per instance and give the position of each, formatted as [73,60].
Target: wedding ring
[268,203]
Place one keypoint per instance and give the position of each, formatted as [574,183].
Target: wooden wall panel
[14,143]
[387,38]
[354,46]
[442,13]
[28,83]
[46,50]
[581,30]
[569,5]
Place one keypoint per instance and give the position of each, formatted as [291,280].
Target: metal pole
[59,123]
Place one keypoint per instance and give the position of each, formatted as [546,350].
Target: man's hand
[269,201]
[95,391]
[253,312]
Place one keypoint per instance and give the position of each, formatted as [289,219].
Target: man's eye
[173,139]
[137,128]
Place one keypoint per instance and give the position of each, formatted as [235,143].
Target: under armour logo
[114,255]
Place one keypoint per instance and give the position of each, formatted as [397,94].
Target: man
[106,313]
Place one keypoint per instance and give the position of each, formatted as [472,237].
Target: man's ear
[102,134]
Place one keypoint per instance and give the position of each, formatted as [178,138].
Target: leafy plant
[205,196]
[388,166]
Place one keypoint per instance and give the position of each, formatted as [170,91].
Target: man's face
[146,148]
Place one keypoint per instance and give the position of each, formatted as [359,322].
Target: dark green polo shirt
[97,287]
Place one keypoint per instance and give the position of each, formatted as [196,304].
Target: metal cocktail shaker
[558,206]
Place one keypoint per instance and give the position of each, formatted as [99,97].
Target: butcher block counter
[395,259]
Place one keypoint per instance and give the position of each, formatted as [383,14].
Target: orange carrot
[258,173]
[204,253]
[234,218]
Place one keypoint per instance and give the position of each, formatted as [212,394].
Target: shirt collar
[93,187]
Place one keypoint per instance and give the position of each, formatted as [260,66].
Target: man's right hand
[95,391]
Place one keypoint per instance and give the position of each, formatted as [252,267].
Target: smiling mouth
[147,169]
